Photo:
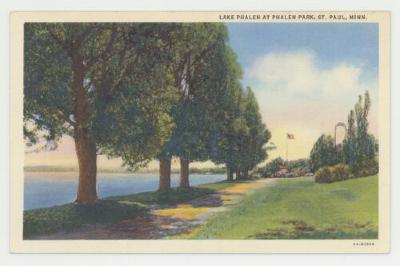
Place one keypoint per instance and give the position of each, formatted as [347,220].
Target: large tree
[197,70]
[273,167]
[258,135]
[365,141]
[349,143]
[241,135]
[228,123]
[323,153]
[108,85]
[359,144]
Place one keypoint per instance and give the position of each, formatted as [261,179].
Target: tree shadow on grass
[116,211]
[168,199]
[70,216]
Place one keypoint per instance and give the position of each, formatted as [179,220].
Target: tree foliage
[273,167]
[228,123]
[108,85]
[323,153]
[140,91]
[241,145]
[359,144]
[126,82]
[197,69]
[253,141]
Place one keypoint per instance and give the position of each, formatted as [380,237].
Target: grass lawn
[298,208]
[71,216]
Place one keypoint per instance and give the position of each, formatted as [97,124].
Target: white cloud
[343,78]
[299,96]
[299,72]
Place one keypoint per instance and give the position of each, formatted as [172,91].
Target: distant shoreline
[61,169]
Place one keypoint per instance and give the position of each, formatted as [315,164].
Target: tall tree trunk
[229,173]
[184,178]
[85,146]
[238,177]
[87,160]
[245,174]
[165,174]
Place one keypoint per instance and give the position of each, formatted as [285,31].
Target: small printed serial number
[363,244]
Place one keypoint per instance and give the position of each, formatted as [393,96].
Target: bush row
[339,172]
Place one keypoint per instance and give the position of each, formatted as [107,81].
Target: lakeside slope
[287,208]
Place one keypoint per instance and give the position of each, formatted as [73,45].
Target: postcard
[200,132]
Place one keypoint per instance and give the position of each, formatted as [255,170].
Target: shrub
[323,153]
[365,168]
[323,175]
[340,172]
[273,167]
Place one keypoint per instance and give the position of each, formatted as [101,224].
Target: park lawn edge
[299,208]
[67,217]
[70,216]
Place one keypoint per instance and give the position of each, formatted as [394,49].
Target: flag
[290,136]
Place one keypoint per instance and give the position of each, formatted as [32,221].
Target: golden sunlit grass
[227,196]
[241,187]
[182,211]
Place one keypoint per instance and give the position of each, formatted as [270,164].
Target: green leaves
[141,90]
[124,97]
[323,153]
[198,68]
[241,144]
[359,145]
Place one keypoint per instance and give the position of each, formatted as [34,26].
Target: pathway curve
[162,223]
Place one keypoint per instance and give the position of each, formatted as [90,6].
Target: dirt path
[161,223]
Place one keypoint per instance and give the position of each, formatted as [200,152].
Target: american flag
[290,136]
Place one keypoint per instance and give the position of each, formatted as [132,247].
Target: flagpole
[287,158]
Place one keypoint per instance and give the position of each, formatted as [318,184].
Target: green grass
[71,216]
[294,208]
[300,209]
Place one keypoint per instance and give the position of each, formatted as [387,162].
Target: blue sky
[332,43]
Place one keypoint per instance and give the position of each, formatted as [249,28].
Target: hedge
[340,172]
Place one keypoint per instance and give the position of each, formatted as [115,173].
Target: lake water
[45,189]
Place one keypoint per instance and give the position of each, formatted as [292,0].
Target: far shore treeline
[140,91]
[74,170]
